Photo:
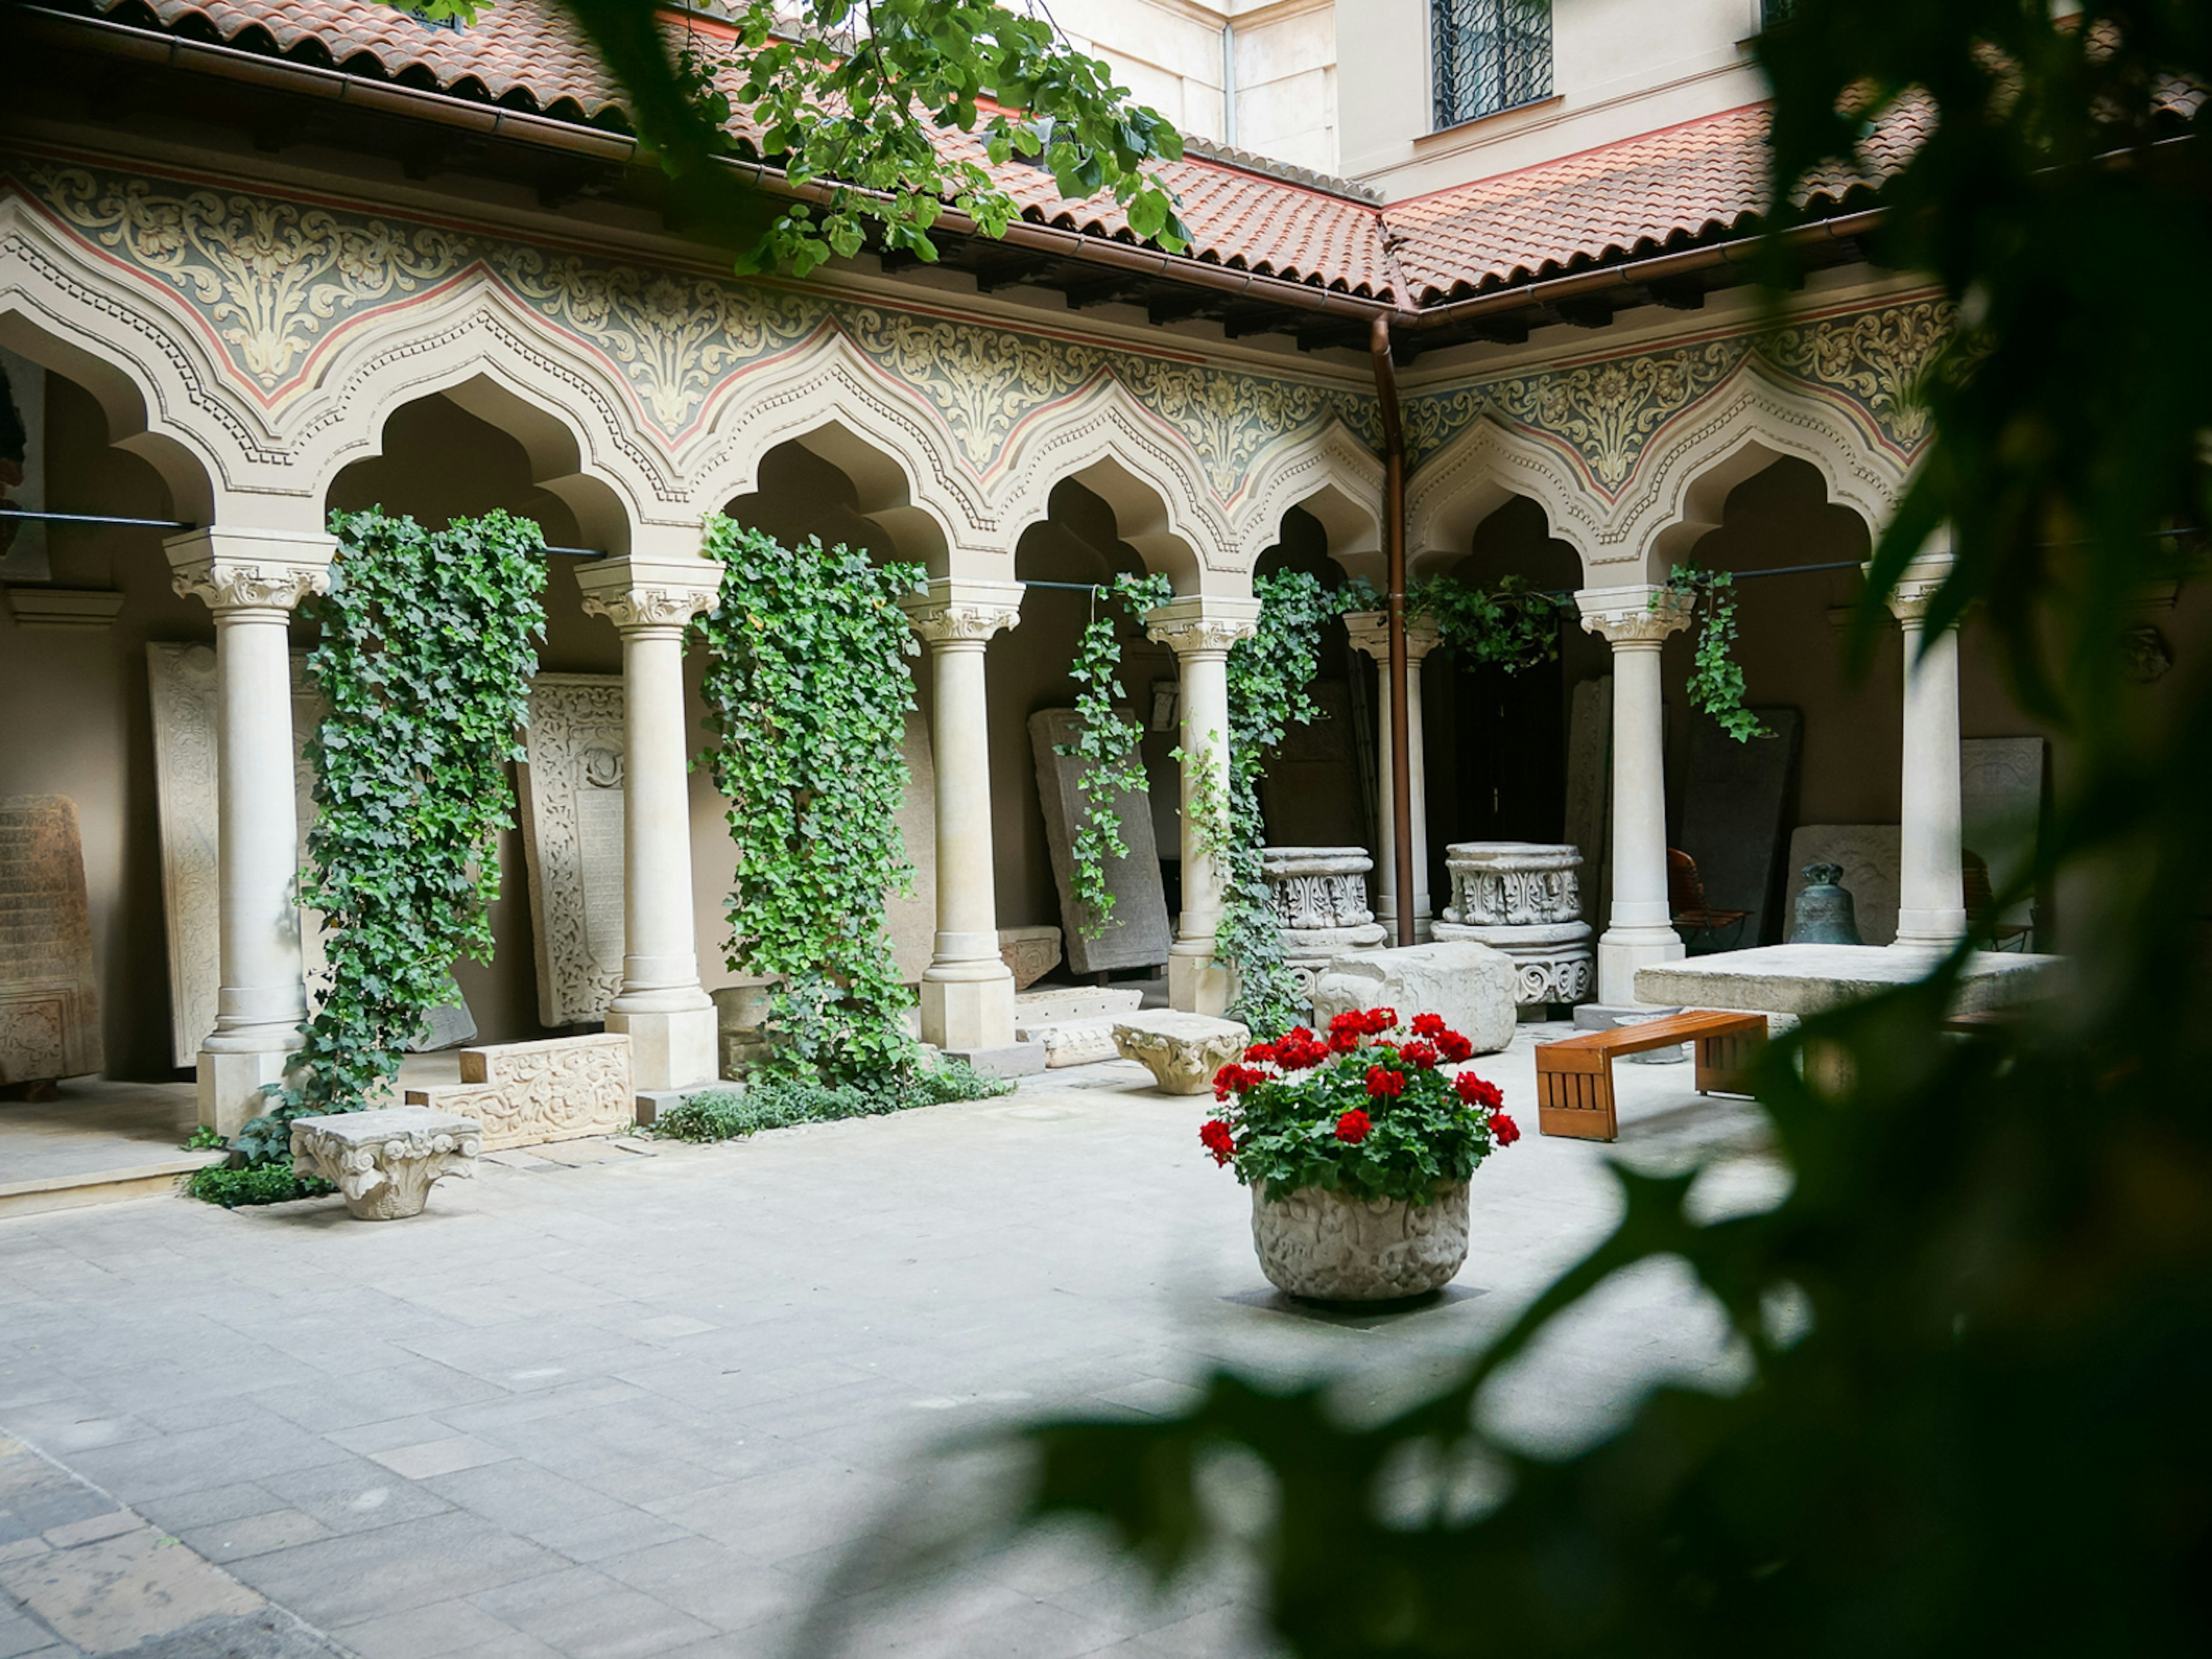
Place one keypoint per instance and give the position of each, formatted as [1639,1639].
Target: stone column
[251,579]
[1201,630]
[1636,621]
[669,1018]
[966,990]
[1932,905]
[1370,633]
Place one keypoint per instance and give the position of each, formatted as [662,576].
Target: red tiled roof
[1660,190]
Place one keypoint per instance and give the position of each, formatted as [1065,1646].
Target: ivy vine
[428,646]
[1715,686]
[807,694]
[1106,742]
[1515,627]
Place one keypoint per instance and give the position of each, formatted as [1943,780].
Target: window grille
[1774,13]
[1490,55]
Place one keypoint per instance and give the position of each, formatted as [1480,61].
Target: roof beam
[1173,308]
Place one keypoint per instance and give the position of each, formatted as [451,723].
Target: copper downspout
[1394,553]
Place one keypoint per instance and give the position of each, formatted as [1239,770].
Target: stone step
[154,1178]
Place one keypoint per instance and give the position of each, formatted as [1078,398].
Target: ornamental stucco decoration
[229,585]
[1875,358]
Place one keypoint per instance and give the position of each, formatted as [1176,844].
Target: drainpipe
[1394,546]
[1229,85]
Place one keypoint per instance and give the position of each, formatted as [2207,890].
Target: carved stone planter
[1320,896]
[384,1163]
[1524,898]
[1325,1246]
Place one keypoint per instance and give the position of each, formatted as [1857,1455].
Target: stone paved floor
[634,1405]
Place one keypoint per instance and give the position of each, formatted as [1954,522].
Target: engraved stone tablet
[2000,806]
[49,1003]
[1733,811]
[571,797]
[1136,932]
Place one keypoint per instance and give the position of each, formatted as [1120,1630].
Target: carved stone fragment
[1523,898]
[1030,953]
[525,1094]
[48,999]
[1470,985]
[1334,1247]
[1181,1051]
[385,1163]
[1320,899]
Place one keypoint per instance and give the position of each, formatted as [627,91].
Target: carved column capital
[1370,633]
[1917,589]
[953,612]
[1202,625]
[634,593]
[1639,614]
[249,570]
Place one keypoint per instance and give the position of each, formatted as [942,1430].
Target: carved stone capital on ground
[634,593]
[384,1163]
[250,569]
[1202,625]
[1642,613]
[1181,1051]
[1370,633]
[955,612]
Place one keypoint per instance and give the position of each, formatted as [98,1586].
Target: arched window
[1489,55]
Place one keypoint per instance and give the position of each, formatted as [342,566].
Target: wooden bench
[1574,1079]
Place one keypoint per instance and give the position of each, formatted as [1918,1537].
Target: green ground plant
[772,1102]
[238,1188]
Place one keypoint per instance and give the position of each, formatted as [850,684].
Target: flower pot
[1331,1247]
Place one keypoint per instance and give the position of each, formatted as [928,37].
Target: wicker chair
[1701,927]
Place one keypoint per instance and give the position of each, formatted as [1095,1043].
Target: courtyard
[643,1397]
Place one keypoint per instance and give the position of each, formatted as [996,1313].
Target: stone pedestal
[1319,897]
[1182,1051]
[1523,898]
[385,1163]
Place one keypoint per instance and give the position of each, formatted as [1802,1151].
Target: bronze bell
[1824,914]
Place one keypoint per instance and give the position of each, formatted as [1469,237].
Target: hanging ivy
[1515,627]
[428,644]
[1715,686]
[1106,742]
[1270,676]
[807,694]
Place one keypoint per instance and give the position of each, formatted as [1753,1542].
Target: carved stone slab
[913,921]
[2001,805]
[181,680]
[1734,809]
[1870,857]
[1136,935]
[48,1000]
[525,1094]
[570,792]
[1030,953]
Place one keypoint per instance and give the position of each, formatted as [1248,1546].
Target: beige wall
[1621,68]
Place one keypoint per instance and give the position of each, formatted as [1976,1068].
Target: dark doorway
[1497,757]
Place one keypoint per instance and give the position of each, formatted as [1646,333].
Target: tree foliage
[429,642]
[1978,1326]
[877,112]
[807,694]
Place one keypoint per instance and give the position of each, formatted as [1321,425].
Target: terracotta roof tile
[1661,189]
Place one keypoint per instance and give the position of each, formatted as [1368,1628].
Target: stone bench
[384,1163]
[525,1094]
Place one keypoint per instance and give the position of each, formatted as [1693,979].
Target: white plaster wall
[1621,68]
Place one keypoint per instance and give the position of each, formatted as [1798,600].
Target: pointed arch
[1474,474]
[1336,477]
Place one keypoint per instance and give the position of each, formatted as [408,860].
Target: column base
[1200,984]
[230,1084]
[965,1014]
[1621,951]
[1930,930]
[669,1050]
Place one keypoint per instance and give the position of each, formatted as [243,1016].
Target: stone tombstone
[181,682]
[2000,806]
[1310,793]
[1590,783]
[1136,934]
[1320,899]
[1523,898]
[913,921]
[49,1000]
[1735,803]
[1868,854]
[570,792]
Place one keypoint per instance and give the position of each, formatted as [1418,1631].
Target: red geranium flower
[1261,1051]
[1351,1128]
[1455,1046]
[1428,1025]
[1423,1055]
[1233,1078]
[1352,1021]
[1214,1136]
[1383,1083]
[1476,1092]
[1343,1041]
[1297,1054]
[1379,1020]
[1503,1129]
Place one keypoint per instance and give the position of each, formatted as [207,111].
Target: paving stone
[435,1457]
